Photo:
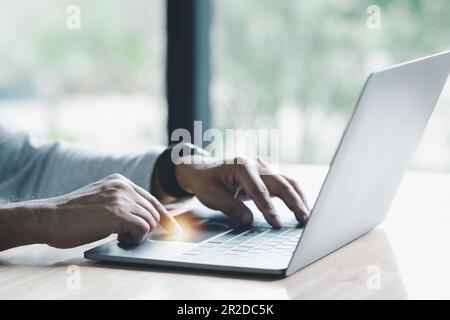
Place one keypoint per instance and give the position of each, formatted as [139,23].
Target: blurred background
[292,65]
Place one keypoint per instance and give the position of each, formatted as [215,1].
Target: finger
[299,191]
[141,200]
[280,187]
[144,214]
[164,217]
[167,221]
[256,189]
[133,229]
[222,200]
[146,205]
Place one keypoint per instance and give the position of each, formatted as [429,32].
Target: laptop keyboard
[260,240]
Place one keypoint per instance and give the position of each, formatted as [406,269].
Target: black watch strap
[166,168]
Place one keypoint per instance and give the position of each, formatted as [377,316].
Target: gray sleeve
[31,170]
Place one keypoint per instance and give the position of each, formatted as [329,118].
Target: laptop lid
[376,148]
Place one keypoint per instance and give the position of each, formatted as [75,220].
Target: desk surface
[408,256]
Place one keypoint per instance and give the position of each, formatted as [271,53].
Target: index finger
[255,188]
[167,221]
[281,188]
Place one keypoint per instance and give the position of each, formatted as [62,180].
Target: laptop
[374,152]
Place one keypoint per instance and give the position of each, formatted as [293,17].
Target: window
[102,84]
[299,66]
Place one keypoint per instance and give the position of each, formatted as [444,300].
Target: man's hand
[111,205]
[217,184]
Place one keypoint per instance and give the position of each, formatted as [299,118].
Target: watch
[166,167]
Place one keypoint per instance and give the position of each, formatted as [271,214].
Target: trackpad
[197,225]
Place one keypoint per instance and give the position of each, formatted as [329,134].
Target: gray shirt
[31,169]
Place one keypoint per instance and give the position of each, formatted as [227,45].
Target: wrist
[183,176]
[164,182]
[25,223]
[171,173]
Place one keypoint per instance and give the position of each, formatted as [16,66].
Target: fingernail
[173,227]
[276,222]
[305,218]
[177,228]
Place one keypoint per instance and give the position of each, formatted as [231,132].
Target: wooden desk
[409,254]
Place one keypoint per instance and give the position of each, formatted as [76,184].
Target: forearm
[24,223]
[31,170]
[69,168]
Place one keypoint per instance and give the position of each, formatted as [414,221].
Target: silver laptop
[378,143]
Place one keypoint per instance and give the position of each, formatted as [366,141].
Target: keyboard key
[232,253]
[227,245]
[223,238]
[284,247]
[264,247]
[257,251]
[189,253]
[240,249]
[258,241]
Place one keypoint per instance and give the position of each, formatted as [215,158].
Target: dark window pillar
[188,63]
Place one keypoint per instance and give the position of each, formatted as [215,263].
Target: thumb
[133,230]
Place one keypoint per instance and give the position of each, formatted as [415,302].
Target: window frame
[188,64]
